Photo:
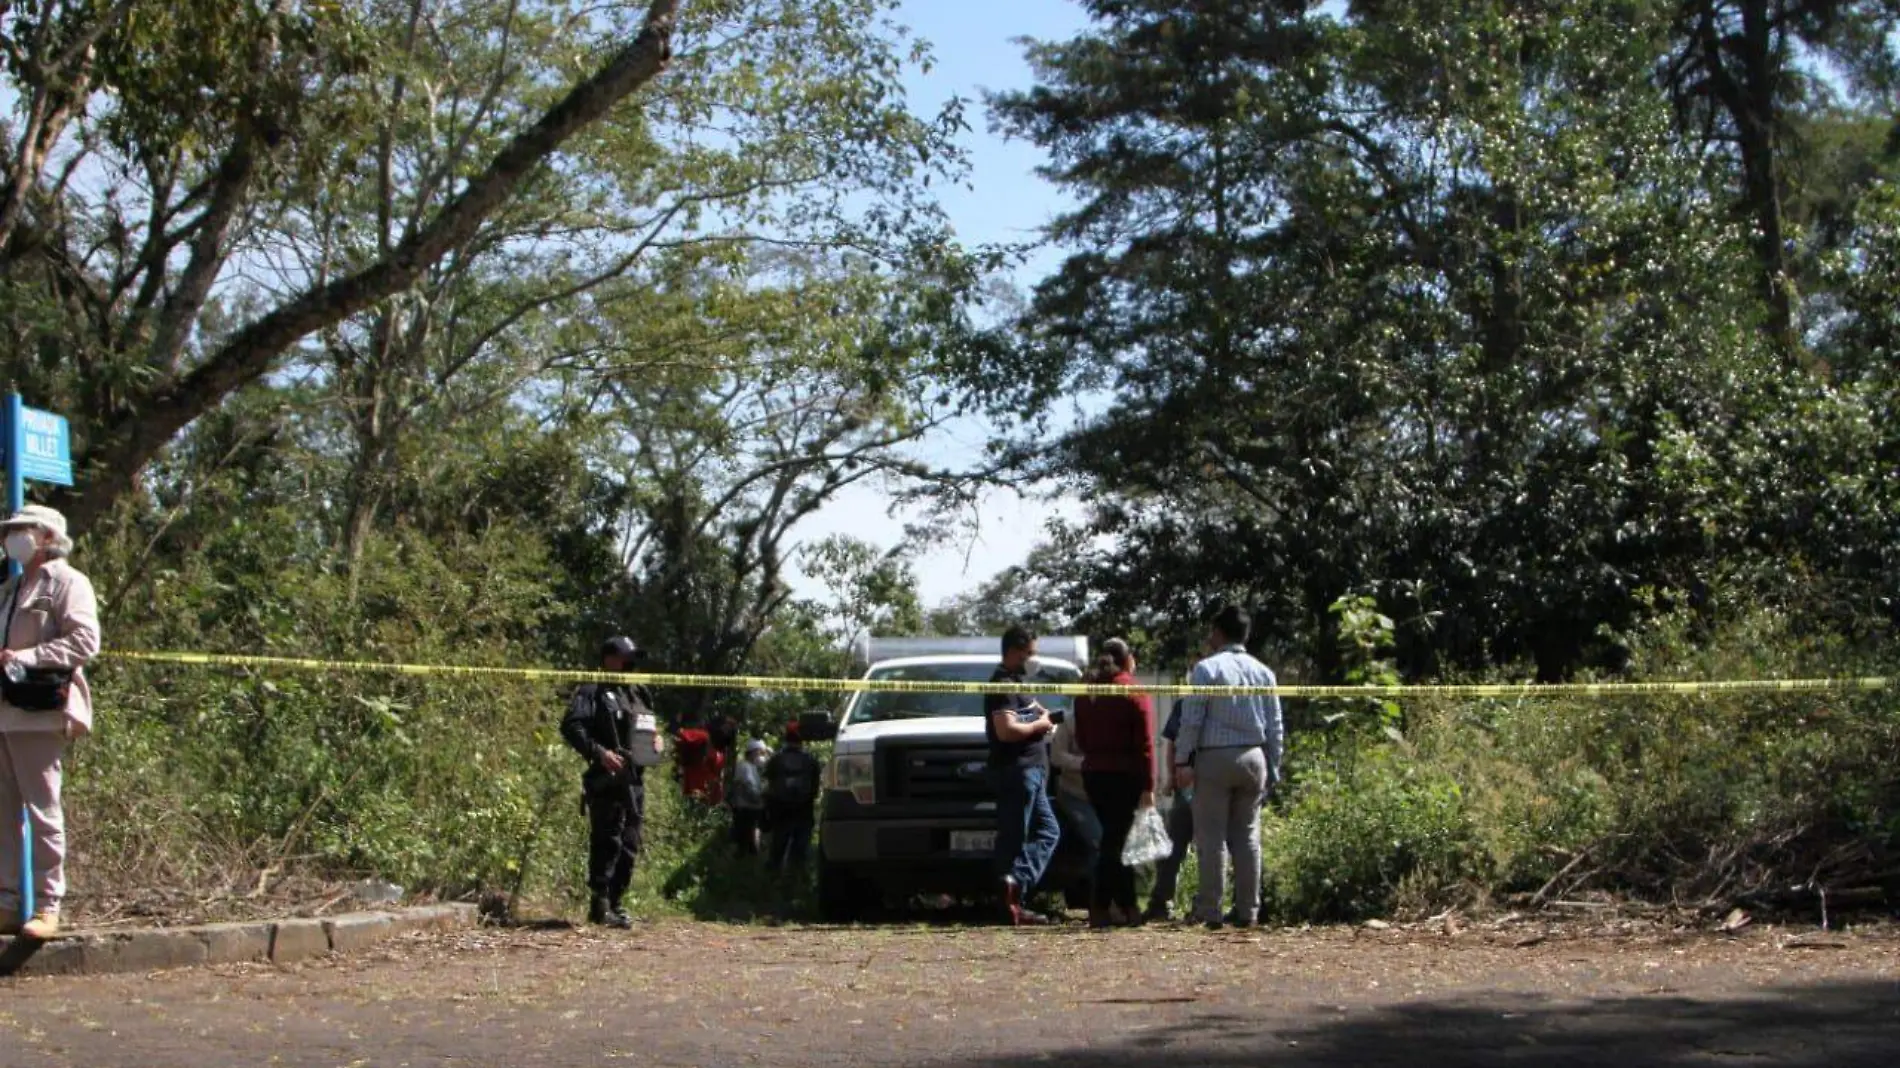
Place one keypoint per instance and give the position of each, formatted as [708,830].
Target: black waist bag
[39,690]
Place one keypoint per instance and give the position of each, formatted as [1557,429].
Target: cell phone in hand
[1058,716]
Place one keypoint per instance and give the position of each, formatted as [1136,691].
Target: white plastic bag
[1148,842]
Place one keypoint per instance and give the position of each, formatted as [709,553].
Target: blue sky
[975,48]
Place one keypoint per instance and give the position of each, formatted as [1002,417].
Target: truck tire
[842,897]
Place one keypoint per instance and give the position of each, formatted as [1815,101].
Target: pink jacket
[55,625]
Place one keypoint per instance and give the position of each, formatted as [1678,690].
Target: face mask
[22,546]
[1032,666]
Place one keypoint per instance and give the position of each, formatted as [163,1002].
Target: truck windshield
[878,707]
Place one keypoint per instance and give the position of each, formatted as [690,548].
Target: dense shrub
[201,778]
[1700,800]
[1359,830]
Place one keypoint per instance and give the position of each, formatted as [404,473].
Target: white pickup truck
[909,803]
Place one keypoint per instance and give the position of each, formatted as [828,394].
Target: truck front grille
[937,773]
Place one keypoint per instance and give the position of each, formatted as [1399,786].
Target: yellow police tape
[772,682]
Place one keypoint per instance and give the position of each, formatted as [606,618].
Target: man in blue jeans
[1018,729]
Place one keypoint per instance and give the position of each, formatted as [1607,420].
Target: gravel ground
[684,994]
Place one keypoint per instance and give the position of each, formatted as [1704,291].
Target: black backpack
[791,779]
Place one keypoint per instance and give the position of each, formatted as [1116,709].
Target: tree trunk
[45,120]
[1761,187]
[64,82]
[368,488]
[1749,96]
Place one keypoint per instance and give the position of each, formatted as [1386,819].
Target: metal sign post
[38,446]
[16,499]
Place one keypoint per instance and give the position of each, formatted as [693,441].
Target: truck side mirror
[816,726]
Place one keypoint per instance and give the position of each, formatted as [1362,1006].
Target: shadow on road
[1840,1025]
[18,951]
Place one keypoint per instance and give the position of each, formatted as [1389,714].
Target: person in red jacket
[701,765]
[1117,735]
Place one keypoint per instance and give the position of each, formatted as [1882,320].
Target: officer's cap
[620,646]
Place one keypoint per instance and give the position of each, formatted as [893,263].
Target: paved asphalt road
[700,995]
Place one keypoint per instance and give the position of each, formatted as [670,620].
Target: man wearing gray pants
[1229,753]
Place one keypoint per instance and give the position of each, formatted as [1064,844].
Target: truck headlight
[856,773]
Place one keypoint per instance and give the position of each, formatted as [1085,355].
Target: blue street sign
[46,447]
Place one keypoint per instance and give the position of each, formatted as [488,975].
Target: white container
[377,892]
[645,729]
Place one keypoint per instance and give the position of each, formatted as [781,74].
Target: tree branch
[251,351]
[212,228]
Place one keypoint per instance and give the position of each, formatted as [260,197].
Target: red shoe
[1013,908]
[1012,897]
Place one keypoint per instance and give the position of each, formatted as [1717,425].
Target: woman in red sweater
[1117,738]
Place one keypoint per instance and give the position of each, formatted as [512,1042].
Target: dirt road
[693,995]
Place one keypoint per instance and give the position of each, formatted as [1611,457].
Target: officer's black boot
[616,911]
[604,913]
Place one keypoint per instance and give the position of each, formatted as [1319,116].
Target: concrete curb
[279,942]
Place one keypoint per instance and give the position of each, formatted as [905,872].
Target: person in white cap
[52,631]
[747,798]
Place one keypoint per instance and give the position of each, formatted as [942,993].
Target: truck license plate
[972,841]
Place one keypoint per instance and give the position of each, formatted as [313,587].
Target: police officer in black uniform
[599,725]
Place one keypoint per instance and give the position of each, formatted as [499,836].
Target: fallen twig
[1538,898]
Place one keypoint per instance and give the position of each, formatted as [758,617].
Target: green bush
[1533,798]
[1699,800]
[1360,830]
[200,778]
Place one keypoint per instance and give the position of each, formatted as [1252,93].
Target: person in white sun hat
[52,631]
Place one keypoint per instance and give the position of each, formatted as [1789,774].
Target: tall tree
[1404,300]
[873,591]
[140,269]
[783,125]
[784,387]
[1743,72]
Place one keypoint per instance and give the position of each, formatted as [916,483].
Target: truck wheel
[842,897]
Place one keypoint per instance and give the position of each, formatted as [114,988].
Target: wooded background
[1457,340]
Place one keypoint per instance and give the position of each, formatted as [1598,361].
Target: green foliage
[1356,834]
[696,870]
[1700,801]
[1365,636]
[874,591]
[1444,305]
[1429,330]
[436,782]
[606,410]
[204,778]
[1748,79]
